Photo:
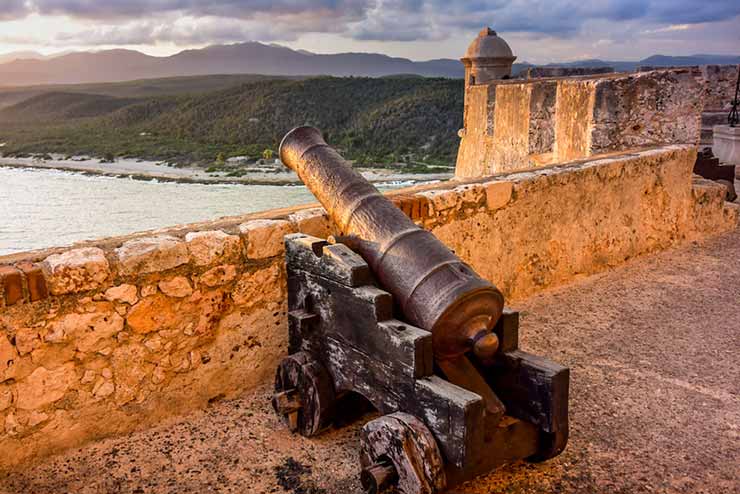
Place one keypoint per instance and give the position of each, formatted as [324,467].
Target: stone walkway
[655,403]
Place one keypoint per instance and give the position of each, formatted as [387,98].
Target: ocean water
[48,208]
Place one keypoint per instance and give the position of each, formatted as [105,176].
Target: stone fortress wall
[106,337]
[520,124]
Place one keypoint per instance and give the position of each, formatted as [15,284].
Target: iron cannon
[384,314]
[434,288]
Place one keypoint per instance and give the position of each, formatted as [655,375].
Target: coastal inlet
[45,208]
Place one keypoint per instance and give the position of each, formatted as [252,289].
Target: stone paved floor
[655,403]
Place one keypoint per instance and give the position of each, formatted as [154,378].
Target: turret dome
[488,45]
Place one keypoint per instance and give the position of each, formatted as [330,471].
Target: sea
[50,208]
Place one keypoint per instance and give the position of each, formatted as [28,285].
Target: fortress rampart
[110,336]
[521,124]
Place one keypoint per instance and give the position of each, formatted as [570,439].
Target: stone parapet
[726,144]
[525,124]
[136,329]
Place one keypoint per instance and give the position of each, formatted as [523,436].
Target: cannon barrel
[434,288]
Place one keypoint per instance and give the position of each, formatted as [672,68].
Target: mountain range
[257,58]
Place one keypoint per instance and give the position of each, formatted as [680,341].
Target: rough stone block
[312,222]
[12,284]
[44,387]
[469,195]
[264,238]
[152,314]
[8,354]
[404,202]
[87,329]
[37,289]
[76,270]
[213,247]
[152,255]
[440,200]
[126,294]
[219,275]
[6,397]
[26,340]
[259,286]
[726,144]
[498,194]
[177,287]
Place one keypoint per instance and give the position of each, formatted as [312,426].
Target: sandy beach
[149,170]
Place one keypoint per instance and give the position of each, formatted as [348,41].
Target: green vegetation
[377,122]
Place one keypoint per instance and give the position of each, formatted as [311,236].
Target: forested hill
[371,119]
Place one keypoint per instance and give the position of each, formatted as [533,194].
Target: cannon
[384,313]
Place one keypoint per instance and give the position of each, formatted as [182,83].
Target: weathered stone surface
[259,286]
[11,283]
[213,247]
[314,222]
[264,238]
[8,354]
[153,314]
[129,368]
[441,200]
[76,270]
[153,344]
[469,195]
[44,387]
[12,426]
[35,418]
[88,377]
[148,290]
[151,255]
[26,340]
[498,194]
[126,294]
[6,397]
[178,287]
[219,275]
[514,125]
[510,145]
[86,330]
[103,388]
[160,313]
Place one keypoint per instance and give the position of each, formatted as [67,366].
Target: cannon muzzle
[435,289]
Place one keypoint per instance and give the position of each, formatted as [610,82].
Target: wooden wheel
[398,450]
[304,394]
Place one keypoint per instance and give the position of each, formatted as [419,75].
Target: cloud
[130,22]
[242,9]
[13,9]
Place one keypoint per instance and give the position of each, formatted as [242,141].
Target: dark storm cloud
[148,21]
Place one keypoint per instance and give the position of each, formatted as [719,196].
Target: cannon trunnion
[389,313]
[346,339]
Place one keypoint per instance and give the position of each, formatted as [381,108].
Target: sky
[539,31]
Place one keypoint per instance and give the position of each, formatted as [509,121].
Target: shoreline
[147,171]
